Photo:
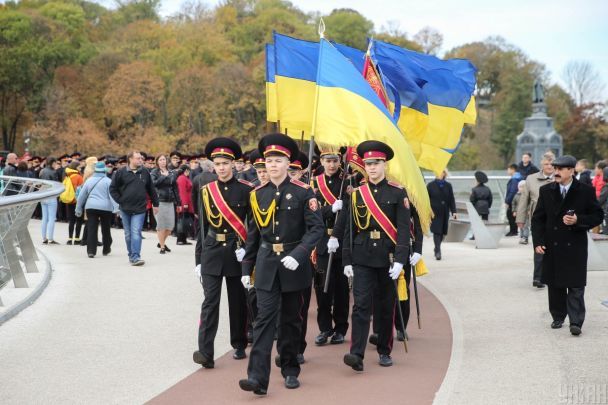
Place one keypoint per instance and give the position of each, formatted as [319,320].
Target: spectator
[525,230]
[207,176]
[95,200]
[185,211]
[598,180]
[526,167]
[49,206]
[583,174]
[23,170]
[565,211]
[88,171]
[129,188]
[527,204]
[11,165]
[166,188]
[481,196]
[442,203]
[603,200]
[74,222]
[512,188]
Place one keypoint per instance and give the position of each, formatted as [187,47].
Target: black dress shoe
[354,361]
[291,382]
[373,339]
[321,339]
[537,284]
[575,330]
[400,336]
[91,255]
[252,385]
[239,354]
[277,361]
[385,360]
[437,255]
[250,336]
[300,358]
[108,252]
[337,339]
[556,324]
[201,359]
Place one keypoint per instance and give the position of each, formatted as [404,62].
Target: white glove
[246,280]
[333,245]
[395,270]
[337,206]
[197,270]
[240,253]
[415,258]
[290,263]
[348,271]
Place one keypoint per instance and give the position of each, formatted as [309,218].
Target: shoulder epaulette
[300,183]
[260,186]
[394,184]
[246,183]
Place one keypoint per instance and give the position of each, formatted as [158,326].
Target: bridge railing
[18,199]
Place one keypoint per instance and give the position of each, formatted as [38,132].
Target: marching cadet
[332,311]
[259,164]
[224,210]
[297,168]
[287,227]
[381,235]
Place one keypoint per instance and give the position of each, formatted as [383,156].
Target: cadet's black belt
[221,237]
[279,247]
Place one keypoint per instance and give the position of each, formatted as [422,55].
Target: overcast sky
[552,32]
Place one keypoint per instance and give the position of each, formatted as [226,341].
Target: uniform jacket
[391,199]
[217,258]
[329,217]
[442,203]
[565,259]
[297,224]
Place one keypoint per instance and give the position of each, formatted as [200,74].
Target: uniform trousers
[287,307]
[405,305]
[332,308]
[210,313]
[365,281]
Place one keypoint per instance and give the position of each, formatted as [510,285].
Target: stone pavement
[105,332]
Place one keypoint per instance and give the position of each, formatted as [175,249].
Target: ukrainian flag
[433,130]
[348,111]
[271,87]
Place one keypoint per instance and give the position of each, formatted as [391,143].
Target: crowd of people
[275,230]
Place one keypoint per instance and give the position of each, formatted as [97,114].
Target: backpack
[68,196]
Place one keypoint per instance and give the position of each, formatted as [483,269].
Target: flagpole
[311,146]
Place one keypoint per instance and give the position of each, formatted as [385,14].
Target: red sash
[325,191]
[377,212]
[233,220]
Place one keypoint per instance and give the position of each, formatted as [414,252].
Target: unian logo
[572,394]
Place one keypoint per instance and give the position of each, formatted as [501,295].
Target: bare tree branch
[583,82]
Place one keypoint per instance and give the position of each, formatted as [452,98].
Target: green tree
[348,27]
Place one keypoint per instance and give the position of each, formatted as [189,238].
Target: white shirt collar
[566,187]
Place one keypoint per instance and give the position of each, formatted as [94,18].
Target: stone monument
[539,135]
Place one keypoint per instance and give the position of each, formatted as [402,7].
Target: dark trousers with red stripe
[287,307]
[365,281]
[210,313]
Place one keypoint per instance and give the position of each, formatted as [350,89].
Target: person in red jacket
[185,211]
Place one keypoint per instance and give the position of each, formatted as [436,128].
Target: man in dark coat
[526,167]
[565,211]
[442,203]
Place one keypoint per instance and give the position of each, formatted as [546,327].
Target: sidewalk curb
[446,389]
[33,296]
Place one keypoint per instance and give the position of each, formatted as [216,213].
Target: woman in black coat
[442,203]
[481,196]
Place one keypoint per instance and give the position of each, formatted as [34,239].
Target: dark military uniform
[337,296]
[291,226]
[218,261]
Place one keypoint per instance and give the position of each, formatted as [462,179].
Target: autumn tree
[429,39]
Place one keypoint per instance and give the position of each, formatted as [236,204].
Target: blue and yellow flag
[433,117]
[271,87]
[348,111]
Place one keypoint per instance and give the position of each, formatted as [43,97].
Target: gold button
[225,230]
[278,254]
[375,190]
[288,208]
[277,238]
[278,193]
[238,205]
[329,182]
[276,223]
[374,243]
[224,244]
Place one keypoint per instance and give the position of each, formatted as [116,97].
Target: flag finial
[321,28]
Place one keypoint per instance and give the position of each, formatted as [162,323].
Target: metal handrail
[18,199]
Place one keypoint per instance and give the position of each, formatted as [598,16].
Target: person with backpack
[71,182]
[95,199]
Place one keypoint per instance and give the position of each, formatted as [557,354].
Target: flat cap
[565,161]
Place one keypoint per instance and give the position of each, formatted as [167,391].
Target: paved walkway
[104,332]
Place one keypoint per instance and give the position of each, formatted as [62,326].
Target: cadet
[381,233]
[287,227]
[333,322]
[225,208]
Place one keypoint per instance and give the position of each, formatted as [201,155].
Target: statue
[538,95]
